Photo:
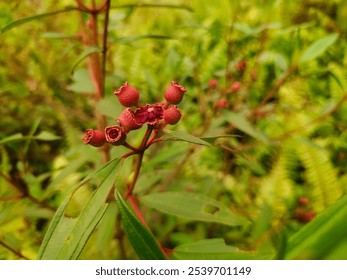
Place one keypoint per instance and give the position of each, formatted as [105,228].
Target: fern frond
[320,175]
[276,190]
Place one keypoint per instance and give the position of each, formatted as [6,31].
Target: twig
[17,253]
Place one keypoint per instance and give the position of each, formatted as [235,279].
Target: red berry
[235,86]
[303,201]
[174,93]
[222,103]
[213,83]
[94,137]
[127,95]
[241,66]
[172,115]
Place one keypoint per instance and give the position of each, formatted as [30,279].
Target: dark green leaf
[318,48]
[143,242]
[33,18]
[192,206]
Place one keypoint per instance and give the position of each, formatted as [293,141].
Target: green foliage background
[284,129]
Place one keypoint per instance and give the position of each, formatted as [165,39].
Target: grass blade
[16,23]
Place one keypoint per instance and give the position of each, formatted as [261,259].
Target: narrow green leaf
[43,136]
[240,122]
[211,249]
[67,236]
[56,35]
[46,136]
[12,138]
[183,136]
[87,52]
[321,236]
[317,48]
[143,5]
[192,206]
[129,39]
[144,244]
[16,23]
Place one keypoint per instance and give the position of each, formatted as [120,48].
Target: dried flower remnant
[115,135]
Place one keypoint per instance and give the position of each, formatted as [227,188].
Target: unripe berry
[115,135]
[174,93]
[128,121]
[127,95]
[94,137]
[172,115]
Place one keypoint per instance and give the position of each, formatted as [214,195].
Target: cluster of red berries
[156,115]
[304,213]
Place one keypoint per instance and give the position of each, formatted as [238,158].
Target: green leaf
[129,39]
[183,136]
[143,242]
[67,236]
[12,138]
[56,35]
[240,122]
[211,249]
[144,5]
[46,136]
[318,48]
[192,206]
[87,52]
[16,23]
[321,236]
[81,82]
[43,136]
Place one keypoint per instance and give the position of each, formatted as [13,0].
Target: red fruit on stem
[172,115]
[127,95]
[235,86]
[222,103]
[213,83]
[303,201]
[94,137]
[174,93]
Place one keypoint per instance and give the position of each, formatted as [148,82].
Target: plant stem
[17,253]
